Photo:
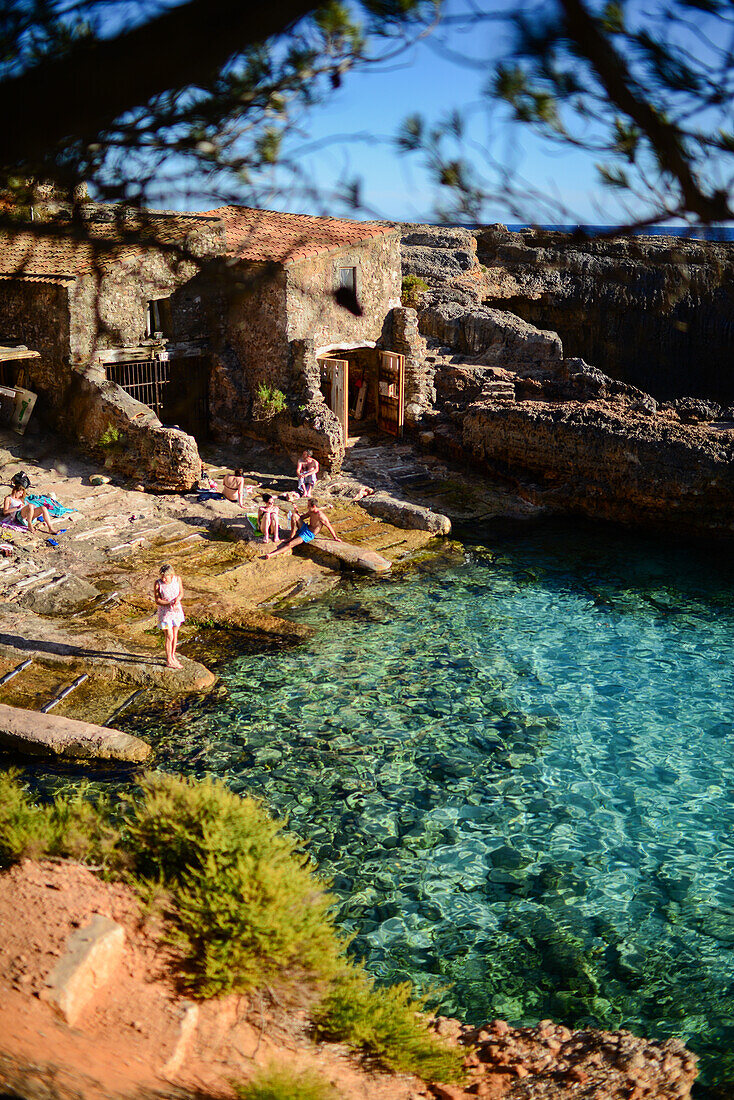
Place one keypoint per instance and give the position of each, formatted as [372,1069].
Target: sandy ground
[126,1035]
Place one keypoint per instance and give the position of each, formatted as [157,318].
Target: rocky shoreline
[567,436]
[116,1027]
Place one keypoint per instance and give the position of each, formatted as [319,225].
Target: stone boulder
[492,336]
[128,437]
[404,514]
[29,732]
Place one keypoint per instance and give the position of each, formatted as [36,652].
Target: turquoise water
[517,764]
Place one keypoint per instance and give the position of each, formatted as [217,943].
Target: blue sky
[371,106]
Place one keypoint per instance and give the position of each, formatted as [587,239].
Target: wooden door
[337,370]
[391,392]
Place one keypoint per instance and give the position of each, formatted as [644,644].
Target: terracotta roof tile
[39,258]
[270,236]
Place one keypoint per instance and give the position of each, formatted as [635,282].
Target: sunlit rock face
[652,311]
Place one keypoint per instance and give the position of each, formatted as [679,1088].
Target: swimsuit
[306,481]
[170,616]
[16,504]
[305,533]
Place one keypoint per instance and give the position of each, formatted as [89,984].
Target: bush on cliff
[71,827]
[284,1084]
[386,1022]
[242,902]
[413,289]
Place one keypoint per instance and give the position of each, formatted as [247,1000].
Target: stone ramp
[345,555]
[39,734]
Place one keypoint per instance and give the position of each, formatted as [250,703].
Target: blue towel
[54,508]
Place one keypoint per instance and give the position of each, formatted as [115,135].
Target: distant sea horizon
[699,233]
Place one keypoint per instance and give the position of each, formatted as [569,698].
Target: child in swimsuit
[168,592]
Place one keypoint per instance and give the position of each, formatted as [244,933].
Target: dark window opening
[158,319]
[348,279]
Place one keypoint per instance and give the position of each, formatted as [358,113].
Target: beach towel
[253,522]
[54,508]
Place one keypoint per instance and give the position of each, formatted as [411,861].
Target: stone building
[308,314]
[94,309]
[224,323]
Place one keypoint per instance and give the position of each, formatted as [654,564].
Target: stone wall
[109,310]
[37,314]
[313,312]
[653,311]
[309,423]
[256,328]
[164,458]
[420,388]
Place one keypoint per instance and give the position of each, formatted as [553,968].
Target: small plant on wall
[413,290]
[111,439]
[268,402]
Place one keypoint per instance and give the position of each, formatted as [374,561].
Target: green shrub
[244,900]
[270,401]
[73,827]
[284,1084]
[413,290]
[386,1022]
[110,439]
[242,903]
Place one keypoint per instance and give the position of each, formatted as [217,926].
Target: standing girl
[168,593]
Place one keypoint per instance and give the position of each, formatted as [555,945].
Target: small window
[158,320]
[348,279]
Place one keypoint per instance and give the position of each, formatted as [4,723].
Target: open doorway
[365,389]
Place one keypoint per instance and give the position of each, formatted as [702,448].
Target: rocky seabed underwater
[515,762]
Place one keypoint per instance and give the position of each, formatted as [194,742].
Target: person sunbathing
[268,518]
[234,488]
[306,528]
[17,510]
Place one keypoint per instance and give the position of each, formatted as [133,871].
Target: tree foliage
[156,102]
[646,89]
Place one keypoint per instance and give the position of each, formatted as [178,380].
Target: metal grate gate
[145,380]
[177,390]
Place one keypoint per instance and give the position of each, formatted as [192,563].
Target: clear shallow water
[517,763]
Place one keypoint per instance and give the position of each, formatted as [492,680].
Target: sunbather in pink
[17,511]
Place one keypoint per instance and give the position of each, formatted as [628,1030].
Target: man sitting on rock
[306,529]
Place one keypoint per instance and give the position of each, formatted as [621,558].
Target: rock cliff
[653,311]
[574,438]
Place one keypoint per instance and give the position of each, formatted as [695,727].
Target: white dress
[170,616]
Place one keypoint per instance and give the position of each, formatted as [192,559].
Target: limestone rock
[599,460]
[346,556]
[652,310]
[27,731]
[404,514]
[70,593]
[493,336]
[92,955]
